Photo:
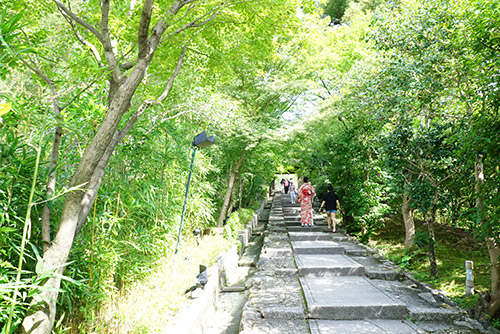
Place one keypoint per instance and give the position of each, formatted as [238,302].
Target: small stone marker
[469,278]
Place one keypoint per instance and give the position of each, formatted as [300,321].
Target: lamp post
[200,141]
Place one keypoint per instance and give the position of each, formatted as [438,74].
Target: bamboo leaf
[5,108]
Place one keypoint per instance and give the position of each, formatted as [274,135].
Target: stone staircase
[309,280]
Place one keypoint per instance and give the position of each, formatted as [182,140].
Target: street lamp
[200,141]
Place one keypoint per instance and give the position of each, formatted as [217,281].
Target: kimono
[306,194]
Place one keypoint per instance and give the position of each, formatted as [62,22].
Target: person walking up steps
[293,191]
[306,195]
[331,203]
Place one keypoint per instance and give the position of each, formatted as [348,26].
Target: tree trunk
[432,250]
[240,193]
[494,251]
[227,197]
[40,318]
[88,176]
[409,222]
[479,178]
[432,238]
[492,244]
[51,185]
[408,217]
[231,205]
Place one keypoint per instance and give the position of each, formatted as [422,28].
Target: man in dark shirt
[331,203]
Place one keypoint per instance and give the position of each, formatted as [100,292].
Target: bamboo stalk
[27,224]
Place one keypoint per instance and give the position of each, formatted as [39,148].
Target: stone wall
[196,313]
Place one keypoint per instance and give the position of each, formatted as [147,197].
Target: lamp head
[202,141]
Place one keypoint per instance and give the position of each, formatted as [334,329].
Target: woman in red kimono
[306,195]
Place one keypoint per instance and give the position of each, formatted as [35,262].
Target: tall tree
[163,28]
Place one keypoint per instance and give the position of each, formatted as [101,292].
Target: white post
[469,278]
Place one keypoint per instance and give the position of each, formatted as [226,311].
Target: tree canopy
[397,107]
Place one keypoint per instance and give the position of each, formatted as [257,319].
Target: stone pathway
[311,281]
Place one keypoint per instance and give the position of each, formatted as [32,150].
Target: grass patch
[146,306]
[453,247]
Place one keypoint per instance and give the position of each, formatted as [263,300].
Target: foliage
[230,85]
[336,9]
[389,240]
[408,115]
[237,221]
[405,97]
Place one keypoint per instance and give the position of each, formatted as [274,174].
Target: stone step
[363,326]
[352,249]
[296,236]
[299,228]
[433,314]
[322,226]
[317,247]
[378,269]
[340,236]
[340,291]
[379,273]
[253,323]
[328,265]
[296,218]
[271,251]
[281,229]
[349,298]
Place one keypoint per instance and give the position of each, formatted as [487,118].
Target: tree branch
[106,42]
[291,103]
[82,40]
[177,5]
[198,52]
[172,77]
[77,19]
[185,14]
[195,23]
[324,85]
[128,65]
[147,103]
[143,30]
[80,92]
[489,46]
